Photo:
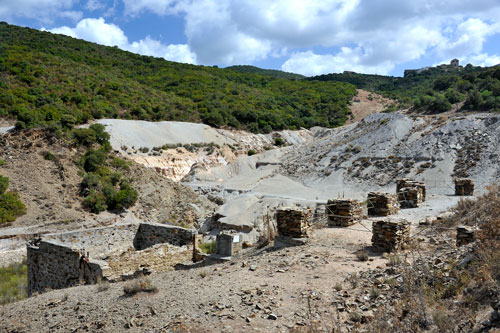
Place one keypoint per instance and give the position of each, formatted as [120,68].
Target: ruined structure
[382,204]
[410,193]
[464,186]
[404,182]
[293,223]
[465,235]
[390,234]
[343,212]
[112,253]
[455,62]
[228,244]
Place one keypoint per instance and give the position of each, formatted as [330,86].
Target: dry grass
[142,284]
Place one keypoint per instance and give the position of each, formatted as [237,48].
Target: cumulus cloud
[98,31]
[42,10]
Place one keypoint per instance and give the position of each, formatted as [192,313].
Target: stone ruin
[465,235]
[293,226]
[111,254]
[343,212]
[464,186]
[228,244]
[390,234]
[410,193]
[382,204]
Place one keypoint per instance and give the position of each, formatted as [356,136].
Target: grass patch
[142,284]
[13,283]
[208,248]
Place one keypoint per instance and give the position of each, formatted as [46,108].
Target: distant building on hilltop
[349,72]
[455,62]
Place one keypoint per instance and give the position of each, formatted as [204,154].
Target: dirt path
[366,103]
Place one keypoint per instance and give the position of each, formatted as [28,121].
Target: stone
[228,244]
[293,222]
[343,212]
[390,234]
[405,182]
[382,204]
[410,197]
[465,235]
[464,187]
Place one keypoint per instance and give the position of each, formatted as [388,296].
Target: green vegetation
[435,89]
[269,72]
[2,162]
[11,205]
[13,283]
[208,248]
[58,81]
[47,155]
[103,186]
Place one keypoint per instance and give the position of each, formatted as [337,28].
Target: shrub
[2,162]
[208,247]
[93,160]
[90,182]
[11,207]
[251,152]
[48,156]
[95,202]
[137,285]
[120,163]
[126,197]
[362,255]
[278,141]
[84,136]
[4,184]
[100,133]
[13,283]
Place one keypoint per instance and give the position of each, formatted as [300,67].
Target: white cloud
[42,10]
[94,5]
[98,31]
[160,7]
[482,59]
[309,63]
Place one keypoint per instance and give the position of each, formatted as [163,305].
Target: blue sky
[309,37]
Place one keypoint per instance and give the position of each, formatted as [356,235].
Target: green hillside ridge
[434,88]
[58,81]
[270,72]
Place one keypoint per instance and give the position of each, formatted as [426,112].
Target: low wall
[150,234]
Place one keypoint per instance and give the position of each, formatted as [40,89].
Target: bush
[100,133]
[208,248]
[95,202]
[11,207]
[48,156]
[90,182]
[84,136]
[251,152]
[278,141]
[120,163]
[362,255]
[125,198]
[141,284]
[93,160]
[13,283]
[4,184]
[2,162]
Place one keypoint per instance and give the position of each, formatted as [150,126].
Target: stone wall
[150,234]
[382,204]
[390,234]
[293,223]
[55,266]
[464,186]
[343,212]
[113,253]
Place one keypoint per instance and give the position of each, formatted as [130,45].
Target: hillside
[434,89]
[54,80]
[270,72]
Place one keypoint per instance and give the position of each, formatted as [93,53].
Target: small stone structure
[465,235]
[464,186]
[228,244]
[390,234]
[293,222]
[455,62]
[382,204]
[111,253]
[343,212]
[404,182]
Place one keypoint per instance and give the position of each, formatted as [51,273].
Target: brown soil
[366,103]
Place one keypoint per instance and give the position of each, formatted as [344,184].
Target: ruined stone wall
[293,223]
[464,186]
[410,197]
[55,266]
[228,244]
[343,212]
[150,234]
[382,204]
[404,182]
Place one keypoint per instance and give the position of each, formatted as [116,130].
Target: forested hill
[270,72]
[55,80]
[433,88]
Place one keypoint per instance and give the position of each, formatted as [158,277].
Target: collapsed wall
[343,212]
[112,253]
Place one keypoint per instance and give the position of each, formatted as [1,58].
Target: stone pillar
[343,212]
[227,244]
[390,234]
[293,223]
[382,204]
[464,186]
[405,182]
[465,235]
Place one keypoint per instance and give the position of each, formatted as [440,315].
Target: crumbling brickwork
[382,204]
[113,253]
[293,223]
[390,234]
[464,186]
[343,212]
